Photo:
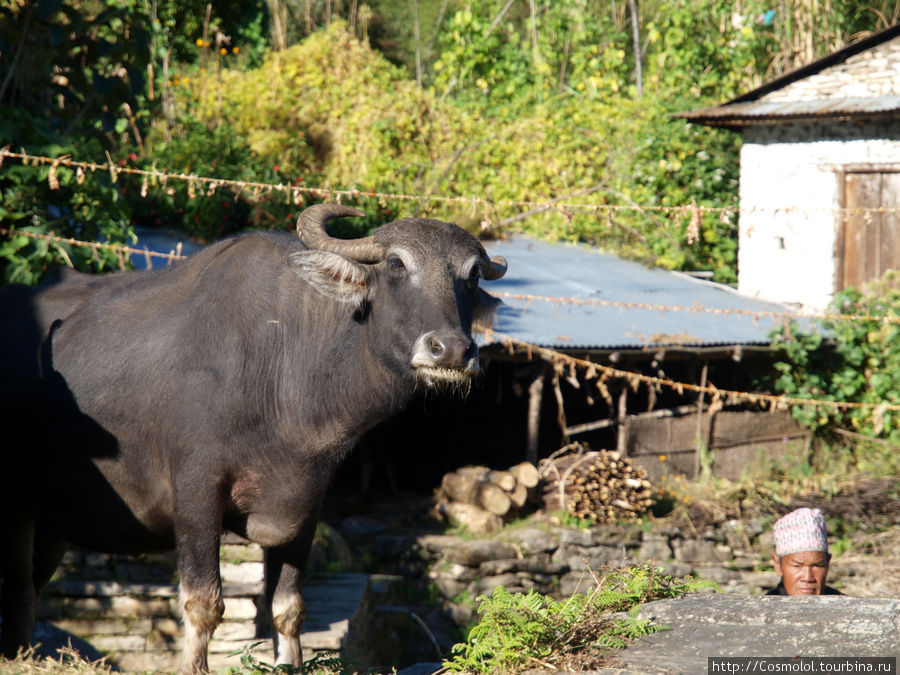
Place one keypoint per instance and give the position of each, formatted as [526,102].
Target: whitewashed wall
[790,200]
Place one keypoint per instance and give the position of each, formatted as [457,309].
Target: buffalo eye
[395,266]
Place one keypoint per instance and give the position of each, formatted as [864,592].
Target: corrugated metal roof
[577,271]
[581,272]
[750,112]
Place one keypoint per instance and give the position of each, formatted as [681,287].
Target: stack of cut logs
[483,499]
[600,487]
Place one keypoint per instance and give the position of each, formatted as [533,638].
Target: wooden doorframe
[841,176]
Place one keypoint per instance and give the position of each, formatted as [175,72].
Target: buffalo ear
[333,275]
[486,306]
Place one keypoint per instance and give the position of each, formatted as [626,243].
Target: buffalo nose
[447,351]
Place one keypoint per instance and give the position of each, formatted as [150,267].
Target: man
[801,554]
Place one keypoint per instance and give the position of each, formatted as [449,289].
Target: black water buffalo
[149,410]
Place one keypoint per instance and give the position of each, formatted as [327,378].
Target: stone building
[820,174]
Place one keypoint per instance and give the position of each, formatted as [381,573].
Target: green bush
[522,630]
[332,112]
[848,360]
[58,201]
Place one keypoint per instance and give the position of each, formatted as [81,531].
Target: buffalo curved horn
[496,269]
[311,230]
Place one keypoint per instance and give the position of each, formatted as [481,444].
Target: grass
[70,661]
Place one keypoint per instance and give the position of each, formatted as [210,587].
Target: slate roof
[578,271]
[767,103]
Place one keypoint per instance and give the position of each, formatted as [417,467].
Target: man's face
[803,573]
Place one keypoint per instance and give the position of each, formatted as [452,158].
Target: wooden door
[871,239]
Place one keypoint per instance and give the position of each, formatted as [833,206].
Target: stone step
[135,624]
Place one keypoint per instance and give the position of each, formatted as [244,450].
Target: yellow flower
[235,50]
[662,458]
[223,51]
[200,42]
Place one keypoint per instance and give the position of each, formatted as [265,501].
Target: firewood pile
[600,486]
[483,499]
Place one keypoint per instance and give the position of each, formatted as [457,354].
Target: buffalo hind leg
[49,550]
[17,595]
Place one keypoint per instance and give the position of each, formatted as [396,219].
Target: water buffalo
[147,411]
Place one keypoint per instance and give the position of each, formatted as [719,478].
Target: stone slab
[705,625]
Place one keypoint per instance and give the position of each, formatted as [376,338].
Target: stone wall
[127,607]
[560,561]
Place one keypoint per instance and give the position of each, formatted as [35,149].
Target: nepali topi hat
[800,531]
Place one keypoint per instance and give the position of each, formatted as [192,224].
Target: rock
[461,614]
[612,535]
[744,561]
[575,537]
[533,540]
[421,669]
[390,546]
[653,547]
[450,587]
[473,553]
[575,582]
[486,586]
[361,526]
[475,519]
[455,571]
[337,548]
[238,553]
[734,625]
[243,573]
[718,574]
[594,558]
[761,580]
[437,544]
[765,543]
[676,569]
[540,565]
[699,551]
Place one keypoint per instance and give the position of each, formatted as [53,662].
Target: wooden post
[535,399]
[700,443]
[622,432]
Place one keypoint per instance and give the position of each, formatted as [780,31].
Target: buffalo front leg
[200,590]
[284,594]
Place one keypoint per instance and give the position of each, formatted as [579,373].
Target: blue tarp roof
[584,273]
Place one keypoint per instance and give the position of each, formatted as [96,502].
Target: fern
[523,630]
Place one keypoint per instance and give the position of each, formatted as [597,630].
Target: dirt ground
[871,566]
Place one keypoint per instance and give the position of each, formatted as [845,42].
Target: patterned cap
[799,531]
